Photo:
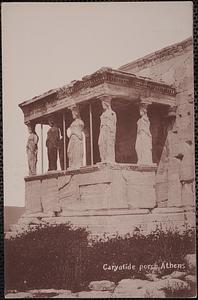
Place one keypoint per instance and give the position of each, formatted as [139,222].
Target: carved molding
[158,56]
[107,75]
[70,94]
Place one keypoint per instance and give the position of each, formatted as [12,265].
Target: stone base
[100,187]
[105,198]
[112,221]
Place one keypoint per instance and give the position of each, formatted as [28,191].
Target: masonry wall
[174,65]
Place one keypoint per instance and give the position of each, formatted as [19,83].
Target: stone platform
[100,187]
[111,222]
[105,198]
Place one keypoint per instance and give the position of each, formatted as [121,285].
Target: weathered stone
[144,292]
[128,286]
[103,285]
[49,195]
[49,291]
[22,295]
[191,279]
[38,215]
[174,184]
[190,260]
[150,292]
[140,189]
[87,189]
[28,221]
[177,69]
[152,277]
[170,284]
[33,196]
[167,210]
[176,275]
[188,194]
[94,294]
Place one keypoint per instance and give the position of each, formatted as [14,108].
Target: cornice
[104,75]
[158,56]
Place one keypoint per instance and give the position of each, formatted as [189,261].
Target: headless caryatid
[52,144]
[107,136]
[32,149]
[75,150]
[187,174]
[143,144]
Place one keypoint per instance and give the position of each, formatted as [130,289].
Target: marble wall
[174,67]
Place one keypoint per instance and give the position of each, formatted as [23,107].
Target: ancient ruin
[126,146]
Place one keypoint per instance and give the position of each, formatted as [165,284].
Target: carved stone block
[33,196]
[161,191]
[118,191]
[140,189]
[49,195]
[188,194]
[174,184]
[68,192]
[95,196]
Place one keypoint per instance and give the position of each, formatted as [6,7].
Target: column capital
[106,98]
[30,124]
[106,101]
[145,101]
[74,107]
[172,112]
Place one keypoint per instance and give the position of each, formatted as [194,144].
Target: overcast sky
[46,45]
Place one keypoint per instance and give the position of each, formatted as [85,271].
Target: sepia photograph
[98,150]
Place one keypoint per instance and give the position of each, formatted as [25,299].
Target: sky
[46,45]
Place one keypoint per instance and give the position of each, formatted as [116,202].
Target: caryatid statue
[143,145]
[32,149]
[75,150]
[52,144]
[107,136]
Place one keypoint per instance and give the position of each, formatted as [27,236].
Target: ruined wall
[174,66]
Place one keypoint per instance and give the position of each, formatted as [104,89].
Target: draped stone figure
[143,144]
[32,149]
[107,136]
[75,150]
[52,144]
